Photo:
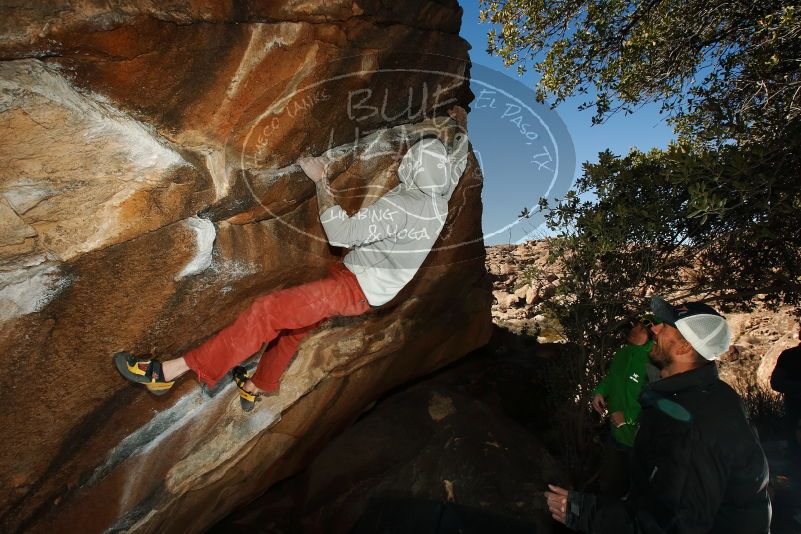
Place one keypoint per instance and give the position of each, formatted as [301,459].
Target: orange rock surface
[121,121]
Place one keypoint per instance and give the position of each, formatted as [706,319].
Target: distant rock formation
[522,280]
[120,122]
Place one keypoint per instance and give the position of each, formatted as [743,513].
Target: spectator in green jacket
[618,394]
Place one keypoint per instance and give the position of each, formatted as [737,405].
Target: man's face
[666,344]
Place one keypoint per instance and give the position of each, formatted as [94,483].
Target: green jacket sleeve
[600,389]
[631,413]
[603,386]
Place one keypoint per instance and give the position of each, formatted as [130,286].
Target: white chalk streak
[204,239]
[30,289]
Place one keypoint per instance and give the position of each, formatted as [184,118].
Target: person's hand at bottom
[598,403]
[618,419]
[557,502]
[314,167]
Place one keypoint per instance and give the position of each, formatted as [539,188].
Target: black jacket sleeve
[684,492]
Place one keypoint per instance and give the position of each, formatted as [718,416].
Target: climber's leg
[288,309]
[276,359]
[174,368]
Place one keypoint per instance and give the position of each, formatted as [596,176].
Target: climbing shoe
[247,399]
[142,371]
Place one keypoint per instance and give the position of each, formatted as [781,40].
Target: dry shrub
[764,406]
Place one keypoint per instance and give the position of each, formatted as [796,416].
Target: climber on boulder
[389,240]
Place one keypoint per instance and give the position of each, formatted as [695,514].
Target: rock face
[120,122]
[758,338]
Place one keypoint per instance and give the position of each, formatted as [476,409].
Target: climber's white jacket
[391,237]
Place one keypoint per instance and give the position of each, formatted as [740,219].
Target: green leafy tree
[721,69]
[679,221]
[682,222]
[713,217]
[728,75]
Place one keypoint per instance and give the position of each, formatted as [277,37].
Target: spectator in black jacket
[697,464]
[786,378]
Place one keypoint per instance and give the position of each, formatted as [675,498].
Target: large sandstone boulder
[120,122]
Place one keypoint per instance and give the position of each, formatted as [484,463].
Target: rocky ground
[523,280]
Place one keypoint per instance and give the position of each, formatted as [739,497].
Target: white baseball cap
[703,328]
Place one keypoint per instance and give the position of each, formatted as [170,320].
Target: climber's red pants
[288,314]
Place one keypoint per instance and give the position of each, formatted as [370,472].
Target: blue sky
[503,195]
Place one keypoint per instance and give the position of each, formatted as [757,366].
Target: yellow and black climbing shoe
[246,398]
[142,371]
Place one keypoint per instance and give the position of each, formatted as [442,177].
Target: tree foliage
[716,224]
[725,196]
[682,222]
[721,69]
[717,215]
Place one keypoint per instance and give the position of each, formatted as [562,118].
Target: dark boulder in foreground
[444,455]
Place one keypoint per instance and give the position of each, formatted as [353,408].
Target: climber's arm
[376,222]
[315,170]
[325,198]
